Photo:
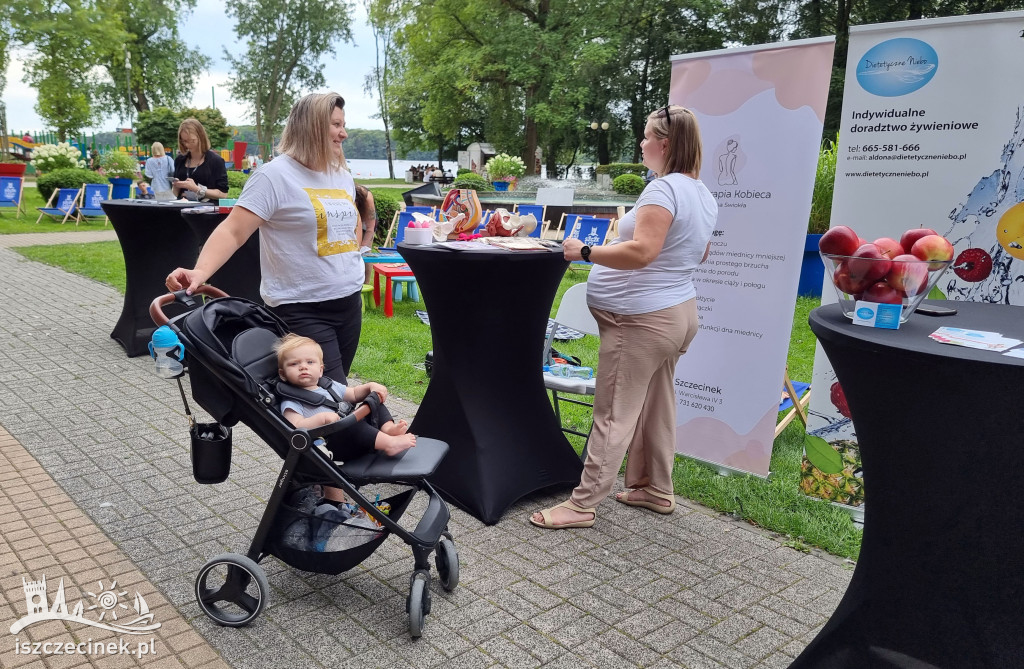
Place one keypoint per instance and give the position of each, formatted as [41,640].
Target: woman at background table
[199,173]
[641,294]
[159,168]
[303,203]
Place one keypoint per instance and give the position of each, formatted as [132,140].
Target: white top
[307,410]
[666,282]
[309,247]
[159,170]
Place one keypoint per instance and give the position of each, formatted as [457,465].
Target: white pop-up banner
[761,111]
[932,135]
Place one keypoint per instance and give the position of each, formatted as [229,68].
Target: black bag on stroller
[233,370]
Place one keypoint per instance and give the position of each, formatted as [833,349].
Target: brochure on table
[931,136]
[760,111]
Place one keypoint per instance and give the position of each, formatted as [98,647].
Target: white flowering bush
[49,157]
[503,166]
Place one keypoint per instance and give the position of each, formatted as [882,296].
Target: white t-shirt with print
[666,282]
[309,242]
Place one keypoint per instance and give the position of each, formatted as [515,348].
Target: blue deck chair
[589,230]
[428,211]
[484,218]
[404,219]
[11,189]
[62,204]
[538,211]
[89,205]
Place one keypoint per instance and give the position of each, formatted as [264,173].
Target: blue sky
[208,29]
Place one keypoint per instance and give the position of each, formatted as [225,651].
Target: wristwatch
[585,252]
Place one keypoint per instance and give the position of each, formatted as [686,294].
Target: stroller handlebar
[156,307]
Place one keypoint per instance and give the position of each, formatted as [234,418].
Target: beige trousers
[634,401]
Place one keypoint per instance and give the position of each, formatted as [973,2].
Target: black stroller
[233,370]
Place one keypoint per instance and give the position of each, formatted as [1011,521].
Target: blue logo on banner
[865,313]
[897,67]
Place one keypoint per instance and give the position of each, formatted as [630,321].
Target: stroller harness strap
[288,391]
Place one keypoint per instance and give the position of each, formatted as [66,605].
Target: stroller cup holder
[211,452]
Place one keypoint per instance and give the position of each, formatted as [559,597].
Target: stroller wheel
[232,590]
[446,559]
[417,605]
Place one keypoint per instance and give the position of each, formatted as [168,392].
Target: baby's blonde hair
[292,341]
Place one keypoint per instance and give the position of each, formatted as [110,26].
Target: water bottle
[570,371]
[168,351]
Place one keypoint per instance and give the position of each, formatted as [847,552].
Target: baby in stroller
[300,362]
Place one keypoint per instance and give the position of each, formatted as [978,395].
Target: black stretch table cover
[488,315]
[240,275]
[154,240]
[939,580]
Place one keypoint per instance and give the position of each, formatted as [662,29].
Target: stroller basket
[327,561]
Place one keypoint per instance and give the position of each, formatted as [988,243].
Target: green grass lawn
[387,182]
[10,224]
[392,350]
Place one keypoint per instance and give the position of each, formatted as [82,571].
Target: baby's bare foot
[395,428]
[394,444]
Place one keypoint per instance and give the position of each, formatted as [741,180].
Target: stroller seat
[253,349]
[229,348]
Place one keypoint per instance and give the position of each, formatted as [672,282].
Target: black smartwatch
[585,252]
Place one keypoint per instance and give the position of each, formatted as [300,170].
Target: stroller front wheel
[418,604]
[232,590]
[446,559]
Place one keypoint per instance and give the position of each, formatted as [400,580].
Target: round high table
[488,315]
[157,237]
[939,581]
[240,276]
[154,240]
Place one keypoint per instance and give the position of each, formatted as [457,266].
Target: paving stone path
[693,589]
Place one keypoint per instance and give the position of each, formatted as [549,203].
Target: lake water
[378,169]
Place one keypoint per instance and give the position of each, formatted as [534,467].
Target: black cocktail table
[486,398]
[940,578]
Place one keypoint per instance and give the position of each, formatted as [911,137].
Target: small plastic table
[387,270]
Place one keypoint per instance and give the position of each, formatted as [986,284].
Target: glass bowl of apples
[884,271]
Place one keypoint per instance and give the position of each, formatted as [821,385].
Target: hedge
[628,184]
[69,177]
[618,169]
[472,181]
[236,180]
[387,201]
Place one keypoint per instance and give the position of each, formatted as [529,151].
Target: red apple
[933,247]
[882,293]
[839,241]
[868,263]
[861,242]
[847,283]
[912,235]
[908,275]
[889,247]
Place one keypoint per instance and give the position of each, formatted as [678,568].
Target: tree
[158,125]
[286,42]
[66,39]
[160,69]
[384,19]
[214,123]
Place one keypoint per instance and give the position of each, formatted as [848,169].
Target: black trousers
[361,437]
[334,324]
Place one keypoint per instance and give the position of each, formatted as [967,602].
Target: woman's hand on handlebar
[189,279]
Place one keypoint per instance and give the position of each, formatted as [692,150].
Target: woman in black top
[199,173]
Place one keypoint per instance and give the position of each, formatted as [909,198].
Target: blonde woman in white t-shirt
[641,294]
[304,204]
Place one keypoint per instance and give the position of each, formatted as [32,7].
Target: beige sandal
[653,506]
[548,525]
